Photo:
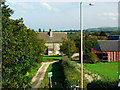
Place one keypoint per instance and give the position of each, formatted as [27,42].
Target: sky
[65,15]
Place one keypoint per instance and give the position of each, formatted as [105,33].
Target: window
[58,45]
[58,52]
[50,51]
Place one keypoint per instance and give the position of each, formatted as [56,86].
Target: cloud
[26,6]
[49,7]
[11,2]
[114,18]
[110,14]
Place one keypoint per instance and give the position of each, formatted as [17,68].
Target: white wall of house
[53,48]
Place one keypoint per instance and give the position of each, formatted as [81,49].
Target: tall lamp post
[81,28]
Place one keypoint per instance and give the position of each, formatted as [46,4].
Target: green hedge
[72,73]
[103,85]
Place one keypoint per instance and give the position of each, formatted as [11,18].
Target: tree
[96,33]
[92,57]
[43,30]
[88,43]
[102,33]
[20,49]
[64,47]
[39,30]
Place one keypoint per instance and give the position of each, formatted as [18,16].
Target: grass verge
[53,57]
[58,75]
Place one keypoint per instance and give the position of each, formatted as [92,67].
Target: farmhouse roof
[107,45]
[56,36]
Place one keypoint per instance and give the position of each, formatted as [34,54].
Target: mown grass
[58,75]
[108,70]
[53,57]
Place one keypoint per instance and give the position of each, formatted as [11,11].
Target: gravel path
[36,80]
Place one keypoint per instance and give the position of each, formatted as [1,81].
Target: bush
[92,57]
[72,73]
[20,49]
[103,85]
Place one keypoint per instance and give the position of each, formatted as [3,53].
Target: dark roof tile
[57,36]
[108,45]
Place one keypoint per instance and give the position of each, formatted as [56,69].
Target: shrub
[20,49]
[103,85]
[92,57]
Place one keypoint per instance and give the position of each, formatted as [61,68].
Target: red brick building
[107,50]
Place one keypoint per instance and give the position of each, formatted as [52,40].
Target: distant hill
[103,29]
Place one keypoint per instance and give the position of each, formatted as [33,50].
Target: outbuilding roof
[107,45]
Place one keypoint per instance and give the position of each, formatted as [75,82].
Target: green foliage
[88,44]
[103,85]
[43,30]
[39,30]
[102,33]
[58,75]
[64,47]
[92,57]
[96,33]
[20,49]
[71,73]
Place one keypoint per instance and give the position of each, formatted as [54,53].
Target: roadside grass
[58,76]
[34,69]
[54,57]
[108,70]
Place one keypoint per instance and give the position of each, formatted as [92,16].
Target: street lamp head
[91,4]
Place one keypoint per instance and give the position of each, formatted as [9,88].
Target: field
[108,70]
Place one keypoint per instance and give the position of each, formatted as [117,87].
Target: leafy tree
[102,33]
[43,30]
[20,49]
[88,43]
[64,47]
[92,57]
[39,30]
[96,33]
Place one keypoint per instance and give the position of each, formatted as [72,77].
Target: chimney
[50,32]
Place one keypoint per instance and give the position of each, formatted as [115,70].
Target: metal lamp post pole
[68,49]
[81,28]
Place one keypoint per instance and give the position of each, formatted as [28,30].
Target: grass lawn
[108,70]
[58,75]
[53,57]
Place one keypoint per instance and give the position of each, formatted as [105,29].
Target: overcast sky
[65,15]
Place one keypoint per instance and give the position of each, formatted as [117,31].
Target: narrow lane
[36,80]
